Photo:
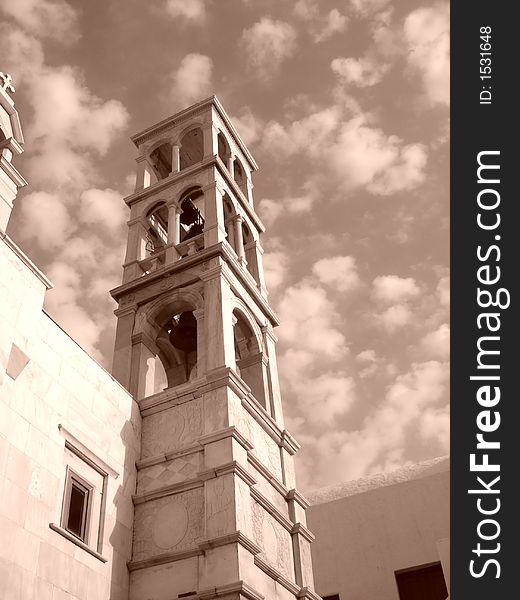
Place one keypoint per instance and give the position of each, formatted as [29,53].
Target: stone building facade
[173,477]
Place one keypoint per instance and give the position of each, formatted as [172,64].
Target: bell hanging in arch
[183,334]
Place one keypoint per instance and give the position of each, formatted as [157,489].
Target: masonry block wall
[58,410]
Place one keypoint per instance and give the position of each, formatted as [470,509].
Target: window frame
[71,478]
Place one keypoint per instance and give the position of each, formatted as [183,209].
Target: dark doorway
[422,583]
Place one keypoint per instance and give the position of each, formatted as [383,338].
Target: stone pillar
[210,137]
[135,249]
[201,342]
[176,159]
[254,251]
[218,326]
[174,233]
[272,375]
[122,359]
[214,230]
[144,173]
[142,374]
[230,163]
[249,194]
[239,239]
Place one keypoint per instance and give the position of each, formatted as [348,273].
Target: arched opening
[250,252]
[192,148]
[229,216]
[239,176]
[223,149]
[161,159]
[248,358]
[192,215]
[177,348]
[156,237]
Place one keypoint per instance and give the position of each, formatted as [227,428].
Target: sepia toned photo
[225,300]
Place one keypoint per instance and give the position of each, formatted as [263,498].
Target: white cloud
[368,7]
[426,32]
[382,440]
[355,153]
[335,22]
[45,218]
[275,269]
[391,288]
[321,27]
[248,125]
[437,343]
[366,356]
[192,80]
[267,44]
[307,9]
[443,291]
[395,317]
[192,10]
[270,210]
[406,172]
[361,72]
[103,207]
[339,272]
[55,19]
[308,321]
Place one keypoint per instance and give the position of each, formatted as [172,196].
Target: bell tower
[216,508]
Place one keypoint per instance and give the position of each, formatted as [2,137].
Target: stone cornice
[276,575]
[221,249]
[300,529]
[175,488]
[162,559]
[237,537]
[272,509]
[156,460]
[308,594]
[270,477]
[230,589]
[192,111]
[222,434]
[25,259]
[298,497]
[233,467]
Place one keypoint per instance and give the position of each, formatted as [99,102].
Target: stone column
[144,173]
[174,224]
[249,194]
[214,230]
[230,163]
[142,370]
[272,375]
[239,239]
[254,252]
[121,361]
[176,158]
[135,249]
[218,326]
[210,137]
[201,342]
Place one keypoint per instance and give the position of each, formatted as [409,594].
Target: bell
[193,231]
[189,213]
[184,334]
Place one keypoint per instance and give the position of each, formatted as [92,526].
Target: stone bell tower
[216,509]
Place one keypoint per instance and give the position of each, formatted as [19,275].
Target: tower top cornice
[187,113]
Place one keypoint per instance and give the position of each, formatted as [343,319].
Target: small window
[331,597]
[77,505]
[425,582]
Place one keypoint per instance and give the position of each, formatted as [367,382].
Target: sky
[345,107]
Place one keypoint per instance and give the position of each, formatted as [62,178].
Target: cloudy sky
[344,105]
